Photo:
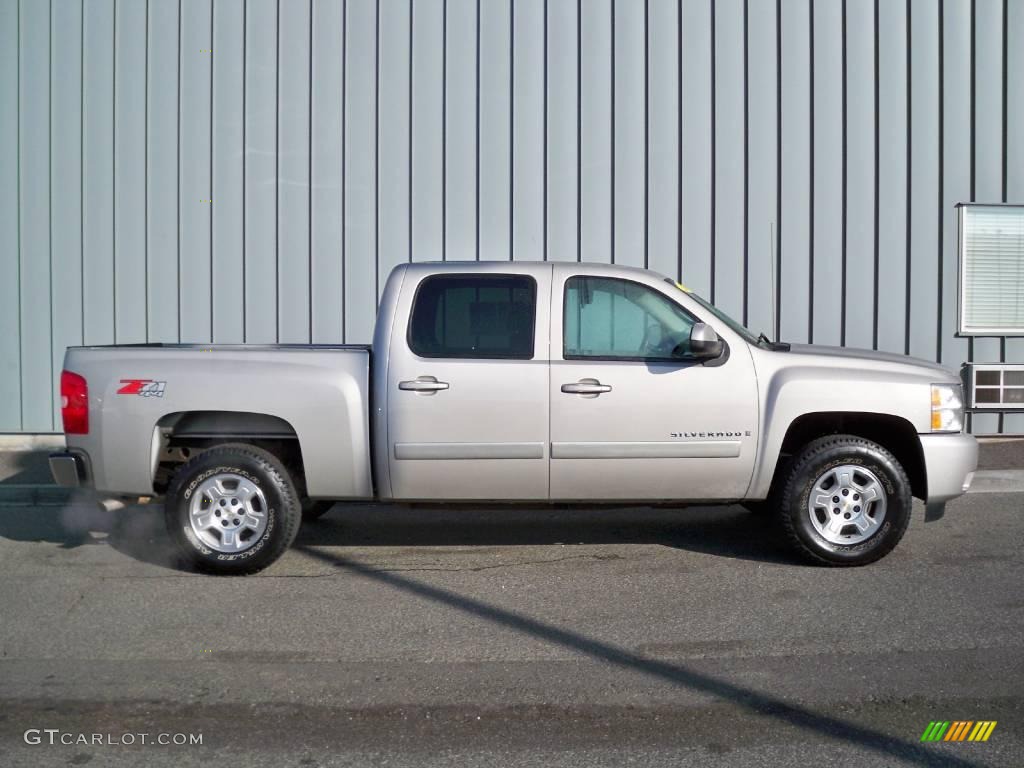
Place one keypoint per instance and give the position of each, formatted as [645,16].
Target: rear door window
[474,316]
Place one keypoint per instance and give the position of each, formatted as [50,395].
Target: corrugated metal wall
[249,171]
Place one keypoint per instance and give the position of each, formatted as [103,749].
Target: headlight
[947,408]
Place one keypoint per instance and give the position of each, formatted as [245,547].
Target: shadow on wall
[25,467]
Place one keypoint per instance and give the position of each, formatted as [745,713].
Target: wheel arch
[894,433]
[180,435]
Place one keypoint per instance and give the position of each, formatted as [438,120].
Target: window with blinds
[992,270]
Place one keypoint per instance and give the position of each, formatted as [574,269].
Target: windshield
[743,331]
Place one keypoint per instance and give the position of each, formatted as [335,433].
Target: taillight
[74,403]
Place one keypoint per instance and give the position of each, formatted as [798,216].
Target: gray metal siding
[249,171]
[1013,158]
[892,166]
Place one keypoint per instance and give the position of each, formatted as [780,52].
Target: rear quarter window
[474,317]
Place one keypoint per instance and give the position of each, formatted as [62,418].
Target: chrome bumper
[70,469]
[949,462]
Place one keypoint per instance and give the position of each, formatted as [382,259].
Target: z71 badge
[142,387]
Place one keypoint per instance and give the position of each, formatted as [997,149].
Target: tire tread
[797,466]
[290,517]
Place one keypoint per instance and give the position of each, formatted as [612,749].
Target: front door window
[613,319]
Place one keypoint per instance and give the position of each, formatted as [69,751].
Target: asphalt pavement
[489,637]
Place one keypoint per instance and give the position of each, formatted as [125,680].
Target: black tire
[815,460]
[313,509]
[263,469]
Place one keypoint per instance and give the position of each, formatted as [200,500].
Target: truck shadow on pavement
[138,531]
[726,531]
[730,532]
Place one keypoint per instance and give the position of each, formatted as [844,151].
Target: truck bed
[194,345]
[139,392]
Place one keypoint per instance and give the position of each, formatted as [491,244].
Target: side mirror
[704,342]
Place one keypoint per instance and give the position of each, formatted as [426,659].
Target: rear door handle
[426,385]
[591,387]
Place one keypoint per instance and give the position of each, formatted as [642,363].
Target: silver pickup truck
[518,382]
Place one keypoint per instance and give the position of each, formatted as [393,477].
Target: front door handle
[425,385]
[586,387]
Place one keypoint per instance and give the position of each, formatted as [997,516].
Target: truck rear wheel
[232,509]
[845,501]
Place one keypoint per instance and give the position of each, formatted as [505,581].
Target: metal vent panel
[998,387]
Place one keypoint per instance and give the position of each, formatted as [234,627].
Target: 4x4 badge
[142,387]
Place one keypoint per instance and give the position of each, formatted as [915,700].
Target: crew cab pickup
[518,382]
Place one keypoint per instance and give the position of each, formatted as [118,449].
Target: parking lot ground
[469,637]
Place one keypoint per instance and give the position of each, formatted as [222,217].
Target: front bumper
[949,463]
[70,469]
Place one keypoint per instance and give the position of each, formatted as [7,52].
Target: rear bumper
[70,469]
[949,462]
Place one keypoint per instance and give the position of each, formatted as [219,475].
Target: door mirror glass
[704,342]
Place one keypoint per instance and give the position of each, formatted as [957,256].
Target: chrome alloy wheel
[847,504]
[228,513]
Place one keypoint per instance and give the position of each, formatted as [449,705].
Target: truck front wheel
[232,509]
[845,501]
